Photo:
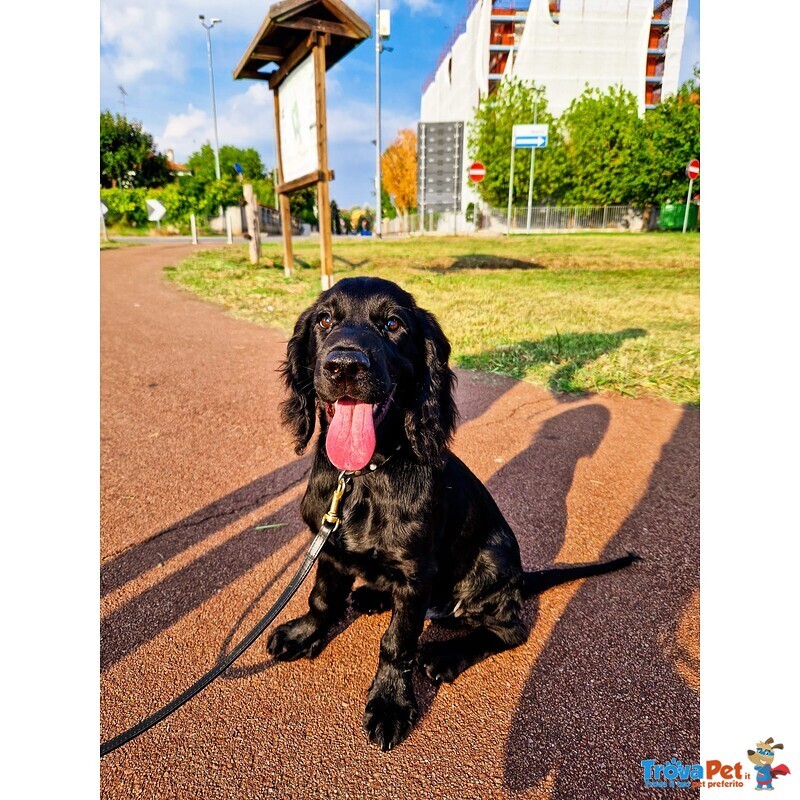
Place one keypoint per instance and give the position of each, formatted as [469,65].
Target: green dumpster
[672,214]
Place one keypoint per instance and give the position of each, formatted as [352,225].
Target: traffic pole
[688,200]
[530,189]
[533,160]
[510,190]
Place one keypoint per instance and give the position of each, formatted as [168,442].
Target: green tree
[203,164]
[514,102]
[265,190]
[388,209]
[128,157]
[207,194]
[672,140]
[336,222]
[603,157]
[303,204]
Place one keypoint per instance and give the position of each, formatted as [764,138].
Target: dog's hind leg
[501,630]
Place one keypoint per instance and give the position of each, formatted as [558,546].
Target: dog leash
[330,523]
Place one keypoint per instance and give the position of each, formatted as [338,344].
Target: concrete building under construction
[562,46]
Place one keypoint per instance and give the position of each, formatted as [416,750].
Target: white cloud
[140,36]
[245,120]
[185,133]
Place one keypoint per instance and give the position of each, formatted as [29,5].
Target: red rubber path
[193,459]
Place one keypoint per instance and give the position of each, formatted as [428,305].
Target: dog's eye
[325,321]
[392,324]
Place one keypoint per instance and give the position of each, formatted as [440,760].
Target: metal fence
[564,219]
[570,218]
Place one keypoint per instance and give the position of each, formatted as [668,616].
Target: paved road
[193,462]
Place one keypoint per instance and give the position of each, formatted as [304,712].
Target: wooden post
[323,189]
[253,223]
[283,199]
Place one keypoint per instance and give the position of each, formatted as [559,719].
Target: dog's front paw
[441,662]
[300,638]
[367,600]
[388,721]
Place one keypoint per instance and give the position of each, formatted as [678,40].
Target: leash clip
[332,517]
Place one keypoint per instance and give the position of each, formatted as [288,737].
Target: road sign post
[533,161]
[692,172]
[525,137]
[510,189]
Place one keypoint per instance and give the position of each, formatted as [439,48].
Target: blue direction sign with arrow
[530,137]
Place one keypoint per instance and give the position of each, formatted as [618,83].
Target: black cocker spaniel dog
[418,528]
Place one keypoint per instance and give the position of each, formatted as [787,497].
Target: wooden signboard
[304,38]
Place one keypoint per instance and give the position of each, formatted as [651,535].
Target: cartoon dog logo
[762,757]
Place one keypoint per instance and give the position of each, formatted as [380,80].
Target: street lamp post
[377,117]
[381,33]
[208,28]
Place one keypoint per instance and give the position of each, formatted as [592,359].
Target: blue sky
[157,51]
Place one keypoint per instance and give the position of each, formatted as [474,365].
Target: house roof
[172,166]
[285,37]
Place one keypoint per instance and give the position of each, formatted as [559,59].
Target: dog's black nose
[341,364]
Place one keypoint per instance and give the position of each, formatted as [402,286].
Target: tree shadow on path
[605,693]
[531,490]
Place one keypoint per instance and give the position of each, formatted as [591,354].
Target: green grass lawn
[575,313]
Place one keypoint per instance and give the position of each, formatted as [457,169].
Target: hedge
[180,199]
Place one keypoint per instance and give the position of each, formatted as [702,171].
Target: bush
[126,206]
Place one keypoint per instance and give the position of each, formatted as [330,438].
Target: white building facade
[561,46]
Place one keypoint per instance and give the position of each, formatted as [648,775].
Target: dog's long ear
[298,411]
[431,420]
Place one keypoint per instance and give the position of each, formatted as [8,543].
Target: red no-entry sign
[477,172]
[693,169]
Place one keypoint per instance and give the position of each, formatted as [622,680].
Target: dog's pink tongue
[351,435]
